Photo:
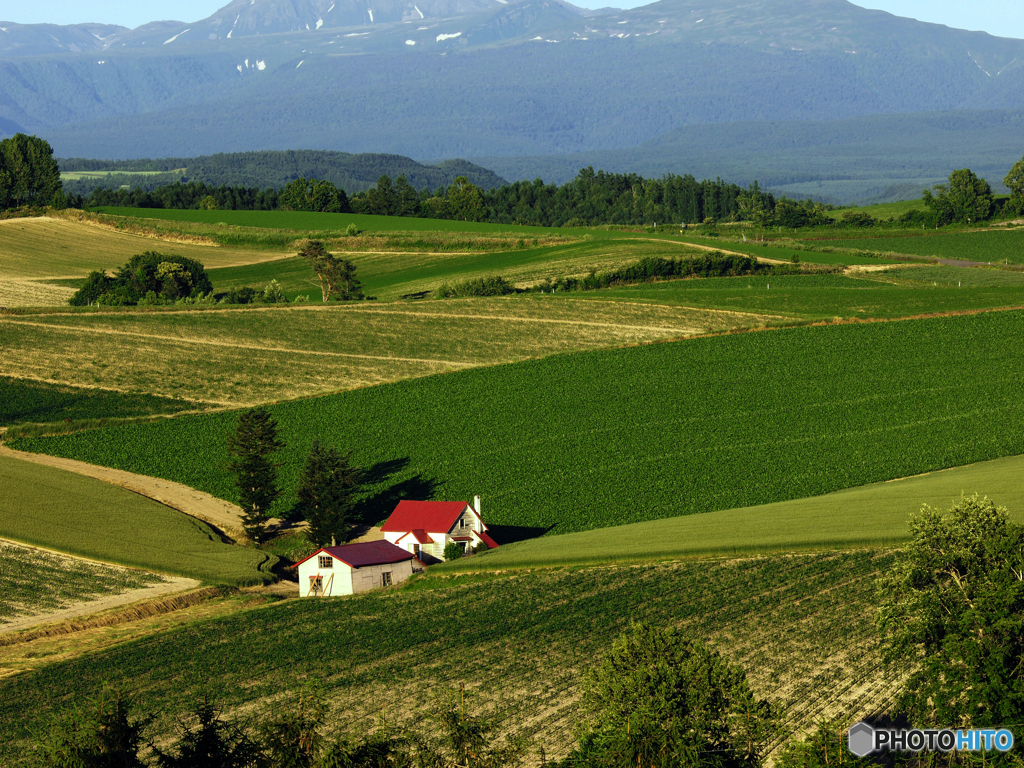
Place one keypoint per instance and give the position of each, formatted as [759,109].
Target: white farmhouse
[353,568]
[423,528]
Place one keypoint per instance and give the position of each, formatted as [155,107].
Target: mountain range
[497,79]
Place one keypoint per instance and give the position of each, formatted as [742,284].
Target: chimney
[476,504]
[333,543]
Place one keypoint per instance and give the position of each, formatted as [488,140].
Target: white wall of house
[342,579]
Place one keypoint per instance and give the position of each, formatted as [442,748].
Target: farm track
[170,586]
[221,514]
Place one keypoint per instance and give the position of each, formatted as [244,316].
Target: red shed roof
[432,516]
[366,553]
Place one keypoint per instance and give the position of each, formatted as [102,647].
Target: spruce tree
[326,492]
[251,446]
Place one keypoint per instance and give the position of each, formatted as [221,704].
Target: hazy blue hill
[44,39]
[866,159]
[353,173]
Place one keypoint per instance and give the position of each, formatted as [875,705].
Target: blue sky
[998,17]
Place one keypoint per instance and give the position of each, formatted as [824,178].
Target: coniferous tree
[250,448]
[326,493]
[102,735]
[211,743]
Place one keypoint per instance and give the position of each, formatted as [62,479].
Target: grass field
[37,402]
[994,245]
[37,582]
[801,627]
[255,355]
[882,210]
[60,510]
[590,440]
[903,292]
[323,222]
[782,253]
[870,515]
[46,247]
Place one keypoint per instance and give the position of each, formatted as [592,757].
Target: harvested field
[243,356]
[47,247]
[19,292]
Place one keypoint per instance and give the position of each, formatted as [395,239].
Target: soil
[87,607]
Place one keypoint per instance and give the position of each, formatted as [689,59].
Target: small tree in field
[103,734]
[1015,182]
[326,492]
[660,700]
[211,743]
[255,439]
[337,276]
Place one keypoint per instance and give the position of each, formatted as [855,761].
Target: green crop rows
[585,441]
[800,626]
[53,508]
[36,581]
[23,401]
[995,246]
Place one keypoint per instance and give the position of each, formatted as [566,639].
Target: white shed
[353,568]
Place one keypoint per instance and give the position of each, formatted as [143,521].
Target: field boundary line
[222,515]
[254,347]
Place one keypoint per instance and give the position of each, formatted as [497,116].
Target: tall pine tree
[326,492]
[250,448]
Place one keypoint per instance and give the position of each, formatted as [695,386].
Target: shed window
[385,579]
[326,561]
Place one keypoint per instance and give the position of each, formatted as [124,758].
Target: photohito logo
[862,739]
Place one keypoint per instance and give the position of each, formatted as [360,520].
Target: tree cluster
[190,195]
[148,277]
[107,733]
[29,175]
[328,483]
[315,196]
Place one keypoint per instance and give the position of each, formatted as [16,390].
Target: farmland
[117,526]
[595,439]
[869,515]
[241,356]
[995,246]
[36,581]
[800,626]
[41,403]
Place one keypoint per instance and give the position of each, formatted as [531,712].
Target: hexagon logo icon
[861,739]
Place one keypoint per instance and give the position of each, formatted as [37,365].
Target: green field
[60,510]
[890,294]
[995,245]
[882,210]
[590,440]
[782,253]
[36,581]
[36,402]
[871,515]
[800,626]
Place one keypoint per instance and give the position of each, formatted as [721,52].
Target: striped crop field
[596,439]
[800,626]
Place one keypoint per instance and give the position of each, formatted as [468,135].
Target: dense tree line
[187,195]
[28,174]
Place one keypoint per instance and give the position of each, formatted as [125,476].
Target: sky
[998,17]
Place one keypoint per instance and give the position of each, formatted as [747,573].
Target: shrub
[351,230]
[453,551]
[494,285]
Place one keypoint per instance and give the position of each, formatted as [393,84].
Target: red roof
[491,543]
[433,516]
[366,553]
[420,535]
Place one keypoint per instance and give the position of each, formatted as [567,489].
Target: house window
[385,579]
[326,561]
[462,523]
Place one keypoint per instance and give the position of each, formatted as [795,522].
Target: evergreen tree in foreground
[250,448]
[102,735]
[326,492]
